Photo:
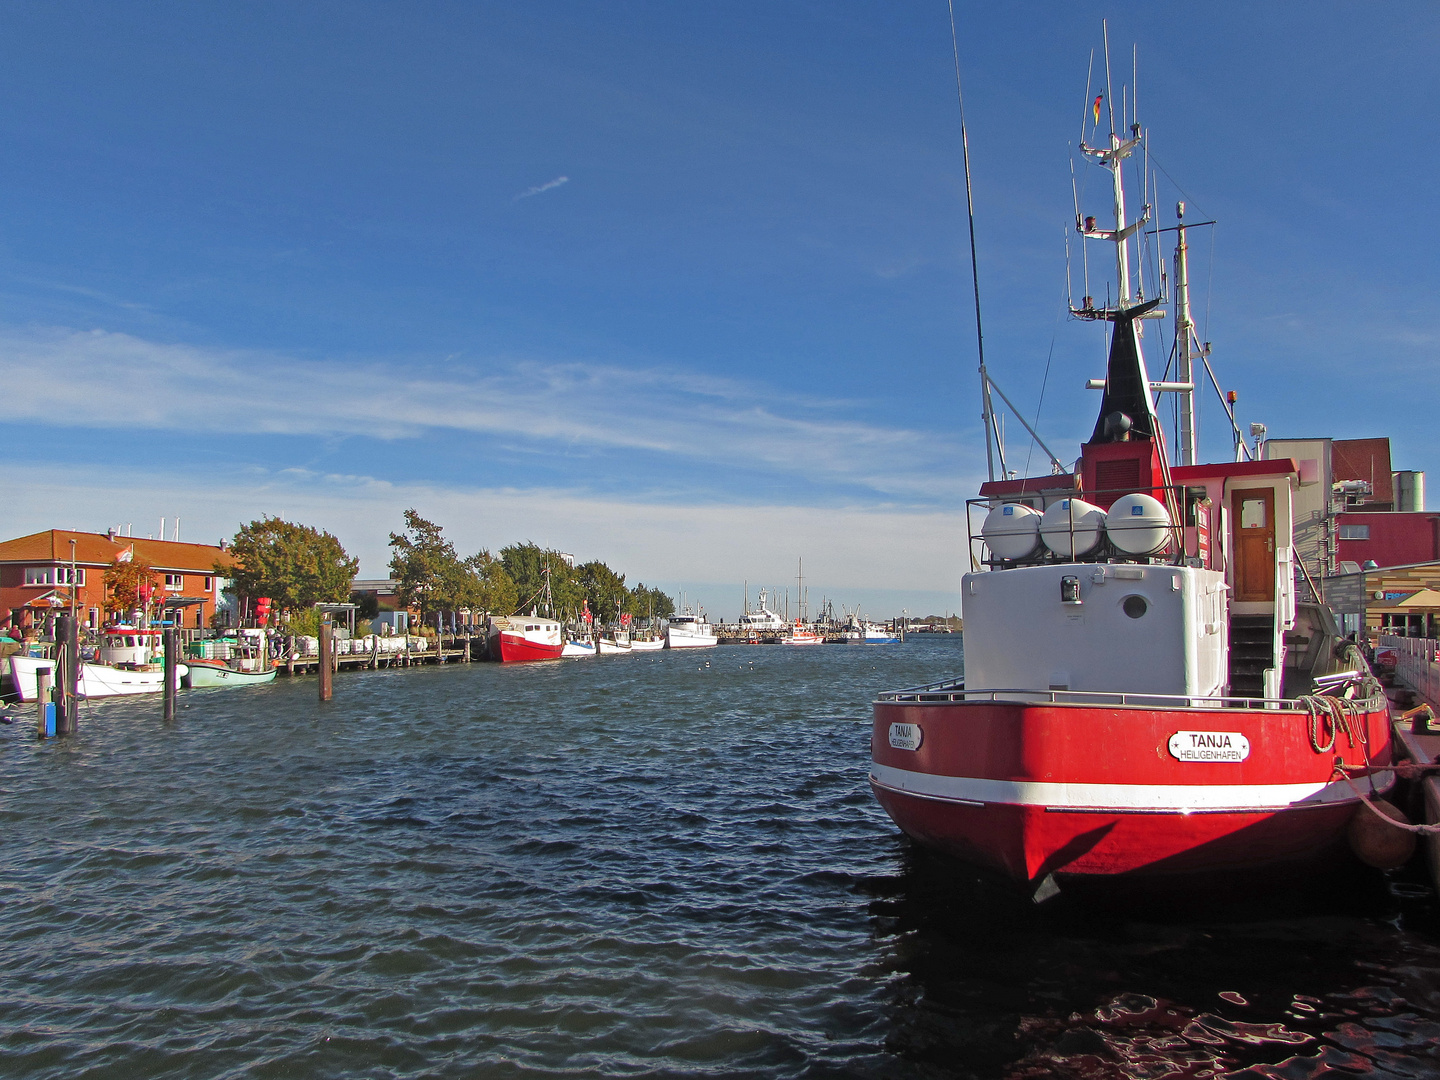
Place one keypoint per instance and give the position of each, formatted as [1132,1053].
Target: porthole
[1134,606]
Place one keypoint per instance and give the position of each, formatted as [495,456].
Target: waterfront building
[38,573]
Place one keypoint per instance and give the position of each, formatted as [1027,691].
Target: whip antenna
[992,436]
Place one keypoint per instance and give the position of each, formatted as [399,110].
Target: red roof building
[37,572]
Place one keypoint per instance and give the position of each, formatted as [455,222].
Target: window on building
[174,581]
[1354,532]
[209,584]
[53,575]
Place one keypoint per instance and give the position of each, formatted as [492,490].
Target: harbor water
[666,864]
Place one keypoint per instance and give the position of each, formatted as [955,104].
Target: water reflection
[1306,981]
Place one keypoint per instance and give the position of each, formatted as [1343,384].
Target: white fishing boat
[616,642]
[690,631]
[130,661]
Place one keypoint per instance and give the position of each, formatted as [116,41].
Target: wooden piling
[67,648]
[44,707]
[325,668]
[172,659]
[374,652]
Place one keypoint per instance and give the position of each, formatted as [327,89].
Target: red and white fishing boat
[521,638]
[1143,693]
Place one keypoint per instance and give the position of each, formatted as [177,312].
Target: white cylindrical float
[1072,527]
[1138,524]
[1012,531]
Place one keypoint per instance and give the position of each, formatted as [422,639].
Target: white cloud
[99,379]
[709,548]
[549,185]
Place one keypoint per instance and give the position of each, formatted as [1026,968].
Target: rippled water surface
[656,865]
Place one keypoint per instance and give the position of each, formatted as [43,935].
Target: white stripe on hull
[1122,798]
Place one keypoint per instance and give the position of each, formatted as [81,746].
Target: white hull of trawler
[647,646]
[96,680]
[677,638]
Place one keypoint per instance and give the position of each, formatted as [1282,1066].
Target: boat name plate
[906,736]
[1209,746]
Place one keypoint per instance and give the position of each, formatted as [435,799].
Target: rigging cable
[1045,379]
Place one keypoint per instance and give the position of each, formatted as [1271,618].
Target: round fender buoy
[1377,844]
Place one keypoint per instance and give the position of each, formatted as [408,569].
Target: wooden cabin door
[1254,544]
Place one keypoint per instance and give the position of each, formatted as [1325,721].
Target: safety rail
[1417,663]
[953,691]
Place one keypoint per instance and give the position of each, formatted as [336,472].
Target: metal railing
[1417,663]
[952,691]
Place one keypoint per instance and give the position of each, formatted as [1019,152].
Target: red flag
[1096,107]
[625,619]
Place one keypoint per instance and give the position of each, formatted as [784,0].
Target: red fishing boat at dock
[1147,689]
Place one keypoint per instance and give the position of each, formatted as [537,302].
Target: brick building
[37,573]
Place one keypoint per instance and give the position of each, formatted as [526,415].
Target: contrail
[543,187]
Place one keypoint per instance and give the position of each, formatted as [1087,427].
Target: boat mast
[1184,332]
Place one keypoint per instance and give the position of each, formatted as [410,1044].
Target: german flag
[1095,108]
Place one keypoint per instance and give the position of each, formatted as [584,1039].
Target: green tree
[297,566]
[425,566]
[529,564]
[646,602]
[605,590]
[432,576]
[493,589]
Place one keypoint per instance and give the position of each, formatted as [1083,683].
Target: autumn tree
[123,581]
[297,566]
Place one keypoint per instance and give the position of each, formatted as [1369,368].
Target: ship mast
[1184,331]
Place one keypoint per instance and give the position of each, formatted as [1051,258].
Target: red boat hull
[517,649]
[1036,789]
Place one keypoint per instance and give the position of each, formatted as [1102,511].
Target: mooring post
[327,649]
[374,652]
[67,642]
[44,707]
[172,660]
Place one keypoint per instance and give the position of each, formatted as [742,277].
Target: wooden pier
[446,649]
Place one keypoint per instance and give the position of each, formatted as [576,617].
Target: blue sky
[684,287]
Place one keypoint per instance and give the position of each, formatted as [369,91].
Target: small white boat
[618,642]
[578,647]
[690,631]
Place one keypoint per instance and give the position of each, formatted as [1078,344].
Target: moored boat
[800,634]
[204,674]
[1143,694]
[130,661]
[522,638]
[690,631]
